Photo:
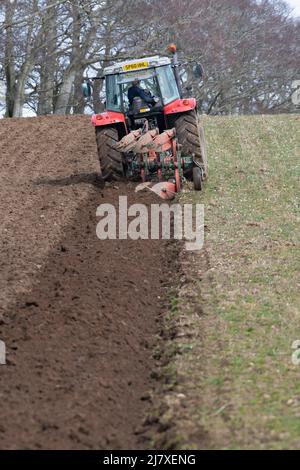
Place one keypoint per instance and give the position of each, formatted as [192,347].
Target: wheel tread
[111,161]
[191,137]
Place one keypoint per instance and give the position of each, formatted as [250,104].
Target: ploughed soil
[80,317]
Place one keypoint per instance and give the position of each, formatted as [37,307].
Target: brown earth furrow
[80,316]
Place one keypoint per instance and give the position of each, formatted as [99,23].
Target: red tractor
[149,131]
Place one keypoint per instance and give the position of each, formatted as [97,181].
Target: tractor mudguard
[108,118]
[180,106]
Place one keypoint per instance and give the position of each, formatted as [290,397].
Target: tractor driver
[136,91]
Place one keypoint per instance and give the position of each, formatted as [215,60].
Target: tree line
[249,50]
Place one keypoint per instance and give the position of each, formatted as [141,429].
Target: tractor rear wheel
[111,160]
[190,135]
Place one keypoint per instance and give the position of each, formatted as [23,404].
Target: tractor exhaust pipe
[173,49]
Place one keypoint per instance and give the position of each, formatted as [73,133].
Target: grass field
[238,311]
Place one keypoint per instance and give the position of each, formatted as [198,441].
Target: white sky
[296,5]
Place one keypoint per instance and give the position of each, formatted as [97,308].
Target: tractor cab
[156,81]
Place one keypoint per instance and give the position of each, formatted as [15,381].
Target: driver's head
[136,82]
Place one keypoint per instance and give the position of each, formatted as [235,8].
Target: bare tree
[249,49]
[47,59]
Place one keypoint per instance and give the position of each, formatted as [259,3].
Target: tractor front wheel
[190,135]
[111,160]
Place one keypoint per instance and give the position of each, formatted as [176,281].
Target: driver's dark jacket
[136,91]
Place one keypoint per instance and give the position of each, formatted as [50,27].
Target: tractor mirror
[86,89]
[198,71]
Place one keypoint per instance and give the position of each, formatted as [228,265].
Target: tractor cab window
[159,81]
[167,84]
[147,79]
[113,94]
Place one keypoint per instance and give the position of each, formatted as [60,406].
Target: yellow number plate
[135,66]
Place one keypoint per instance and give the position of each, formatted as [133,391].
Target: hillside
[133,344]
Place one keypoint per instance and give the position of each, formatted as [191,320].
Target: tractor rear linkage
[150,155]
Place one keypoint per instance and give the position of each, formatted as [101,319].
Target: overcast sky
[296,5]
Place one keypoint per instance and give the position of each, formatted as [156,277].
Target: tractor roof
[136,64]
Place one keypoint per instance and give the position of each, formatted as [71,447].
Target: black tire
[190,135]
[197,178]
[111,160]
[203,151]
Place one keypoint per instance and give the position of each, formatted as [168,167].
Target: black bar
[139,459]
